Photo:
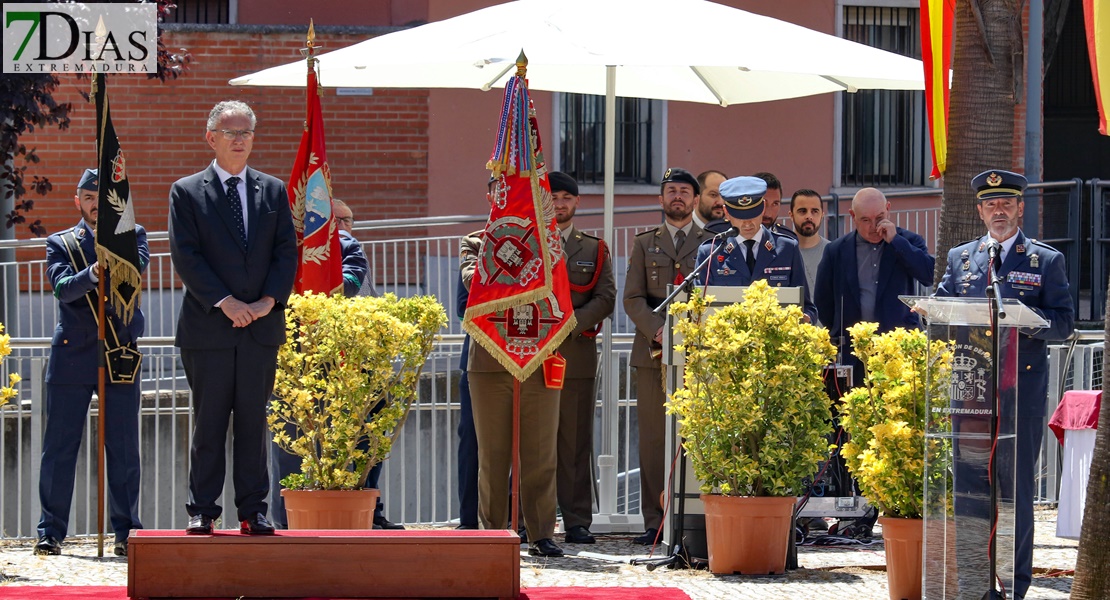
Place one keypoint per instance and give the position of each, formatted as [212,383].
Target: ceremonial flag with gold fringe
[936,54]
[519,308]
[320,262]
[117,244]
[1097,16]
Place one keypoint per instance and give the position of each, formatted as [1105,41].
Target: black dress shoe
[256,524]
[48,546]
[380,522]
[465,526]
[120,549]
[648,538]
[523,533]
[199,525]
[545,547]
[579,535]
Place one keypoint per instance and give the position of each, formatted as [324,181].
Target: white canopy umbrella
[736,57]
[722,55]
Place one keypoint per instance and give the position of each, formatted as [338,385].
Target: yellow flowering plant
[7,392]
[885,417]
[346,378]
[752,408]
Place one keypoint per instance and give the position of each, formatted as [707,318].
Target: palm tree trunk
[1091,581]
[988,53]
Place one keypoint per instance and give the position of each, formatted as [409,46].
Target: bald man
[864,271]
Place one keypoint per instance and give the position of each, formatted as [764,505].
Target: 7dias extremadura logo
[80,38]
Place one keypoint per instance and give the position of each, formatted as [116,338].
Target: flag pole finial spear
[521,64]
[310,50]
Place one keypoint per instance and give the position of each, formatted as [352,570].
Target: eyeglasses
[347,220]
[231,134]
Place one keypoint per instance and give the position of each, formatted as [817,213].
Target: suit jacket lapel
[573,245]
[215,195]
[851,272]
[254,204]
[87,242]
[763,256]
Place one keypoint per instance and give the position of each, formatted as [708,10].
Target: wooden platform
[324,563]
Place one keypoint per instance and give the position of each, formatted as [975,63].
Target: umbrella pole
[607,456]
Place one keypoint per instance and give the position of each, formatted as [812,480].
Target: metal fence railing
[419,481]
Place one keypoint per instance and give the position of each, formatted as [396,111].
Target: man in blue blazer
[1034,273]
[71,379]
[863,272]
[754,252]
[233,245]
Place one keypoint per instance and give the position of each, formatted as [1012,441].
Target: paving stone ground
[836,572]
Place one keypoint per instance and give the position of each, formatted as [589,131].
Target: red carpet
[74,592]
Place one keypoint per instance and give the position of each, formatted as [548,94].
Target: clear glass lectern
[959,458]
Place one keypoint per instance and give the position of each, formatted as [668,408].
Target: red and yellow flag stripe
[1097,16]
[936,54]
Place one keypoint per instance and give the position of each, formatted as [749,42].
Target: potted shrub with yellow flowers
[346,378]
[9,391]
[753,414]
[885,422]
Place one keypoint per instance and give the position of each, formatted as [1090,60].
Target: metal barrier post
[1098,238]
[1075,209]
[38,426]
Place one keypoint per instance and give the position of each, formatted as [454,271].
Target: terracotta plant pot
[748,535]
[330,509]
[902,539]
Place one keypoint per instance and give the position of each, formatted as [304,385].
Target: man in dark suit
[593,293]
[233,245]
[467,453]
[71,379]
[660,256]
[1034,273]
[863,272]
[754,252]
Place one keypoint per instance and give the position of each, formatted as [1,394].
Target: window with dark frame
[206,12]
[884,133]
[582,138]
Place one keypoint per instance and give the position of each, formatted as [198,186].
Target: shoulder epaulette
[592,237]
[648,232]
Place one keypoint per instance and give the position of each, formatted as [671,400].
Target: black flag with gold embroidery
[117,245]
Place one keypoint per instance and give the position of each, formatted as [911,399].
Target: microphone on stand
[688,280]
[994,252]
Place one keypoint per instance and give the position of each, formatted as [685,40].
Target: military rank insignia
[768,245]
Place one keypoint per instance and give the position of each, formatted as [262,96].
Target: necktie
[678,239]
[236,206]
[750,258]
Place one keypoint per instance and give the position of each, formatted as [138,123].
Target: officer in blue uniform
[1033,273]
[71,379]
[754,253]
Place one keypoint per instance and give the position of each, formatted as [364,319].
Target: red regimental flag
[519,308]
[1096,15]
[936,56]
[320,264]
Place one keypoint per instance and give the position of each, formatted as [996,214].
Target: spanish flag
[1097,16]
[936,54]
